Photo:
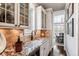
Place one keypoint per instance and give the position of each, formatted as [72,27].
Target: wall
[71,43]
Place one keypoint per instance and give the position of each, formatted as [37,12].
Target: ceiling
[54,6]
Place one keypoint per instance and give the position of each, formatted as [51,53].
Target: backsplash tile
[11,36]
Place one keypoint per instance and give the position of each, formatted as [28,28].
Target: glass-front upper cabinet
[23,14]
[40,18]
[7,13]
[43,19]
[2,12]
[10,13]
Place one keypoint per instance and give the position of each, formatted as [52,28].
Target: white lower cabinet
[41,50]
[44,49]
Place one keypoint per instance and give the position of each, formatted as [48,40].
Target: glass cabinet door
[10,13]
[10,7]
[2,12]
[9,17]
[21,20]
[2,5]
[21,13]
[24,14]
[43,20]
[7,13]
[26,21]
[21,9]
[2,15]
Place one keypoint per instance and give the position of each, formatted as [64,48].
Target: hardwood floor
[57,51]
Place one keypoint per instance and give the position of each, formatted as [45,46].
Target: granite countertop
[32,46]
[28,47]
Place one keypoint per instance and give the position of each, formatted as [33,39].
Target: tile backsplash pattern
[11,36]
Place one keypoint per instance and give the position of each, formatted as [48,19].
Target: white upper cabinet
[49,18]
[14,15]
[7,14]
[40,18]
[23,10]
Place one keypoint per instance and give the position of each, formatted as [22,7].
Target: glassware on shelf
[21,20]
[21,10]
[26,12]
[21,4]
[2,15]
[9,17]
[2,5]
[26,5]
[10,6]
[26,21]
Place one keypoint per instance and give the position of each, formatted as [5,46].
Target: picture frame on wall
[67,28]
[70,27]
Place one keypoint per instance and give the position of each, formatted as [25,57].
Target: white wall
[71,43]
[71,46]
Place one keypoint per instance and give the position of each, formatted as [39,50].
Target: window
[58,24]
[59,19]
